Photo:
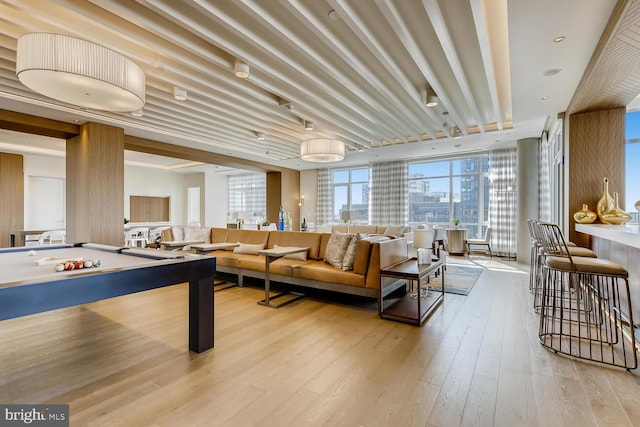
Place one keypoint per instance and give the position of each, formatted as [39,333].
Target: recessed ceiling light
[551,72]
[260,136]
[559,39]
[333,15]
[545,98]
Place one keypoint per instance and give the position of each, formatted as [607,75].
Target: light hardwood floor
[477,361]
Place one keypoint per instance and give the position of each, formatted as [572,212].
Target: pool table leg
[201,315]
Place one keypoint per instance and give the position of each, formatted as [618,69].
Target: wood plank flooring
[320,361]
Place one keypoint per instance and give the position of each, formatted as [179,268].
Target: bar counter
[620,244]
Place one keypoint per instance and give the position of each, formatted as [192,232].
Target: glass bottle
[303,227]
[281,219]
[606,202]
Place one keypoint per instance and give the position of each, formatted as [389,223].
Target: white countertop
[627,234]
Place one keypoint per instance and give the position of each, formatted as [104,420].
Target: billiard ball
[31,253]
[59,267]
[79,264]
[88,264]
[96,263]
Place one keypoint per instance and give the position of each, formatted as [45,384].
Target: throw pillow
[302,256]
[350,253]
[336,247]
[246,248]
[393,230]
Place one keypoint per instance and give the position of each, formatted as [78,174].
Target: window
[351,193]
[632,164]
[247,197]
[442,190]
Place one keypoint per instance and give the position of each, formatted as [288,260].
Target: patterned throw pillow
[197,234]
[350,253]
[336,247]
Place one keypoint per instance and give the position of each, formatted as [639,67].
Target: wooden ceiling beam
[27,123]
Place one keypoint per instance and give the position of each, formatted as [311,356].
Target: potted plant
[456,223]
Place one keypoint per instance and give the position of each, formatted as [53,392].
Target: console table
[412,307]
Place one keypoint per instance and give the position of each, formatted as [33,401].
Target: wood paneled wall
[283,189]
[596,150]
[95,185]
[11,195]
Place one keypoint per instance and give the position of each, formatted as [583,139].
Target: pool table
[30,284]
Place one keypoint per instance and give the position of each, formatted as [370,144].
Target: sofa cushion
[350,253]
[336,247]
[248,248]
[302,256]
[323,272]
[218,235]
[299,239]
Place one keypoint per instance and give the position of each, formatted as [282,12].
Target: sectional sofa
[372,253]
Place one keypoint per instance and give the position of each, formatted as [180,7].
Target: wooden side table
[412,307]
[456,241]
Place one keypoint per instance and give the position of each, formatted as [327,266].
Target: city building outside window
[351,193]
[444,190]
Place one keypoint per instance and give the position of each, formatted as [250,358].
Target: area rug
[458,279]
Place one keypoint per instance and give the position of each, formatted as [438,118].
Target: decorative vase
[616,215]
[606,202]
[585,216]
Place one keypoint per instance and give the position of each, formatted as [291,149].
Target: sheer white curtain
[544,181]
[503,200]
[324,203]
[389,200]
[247,196]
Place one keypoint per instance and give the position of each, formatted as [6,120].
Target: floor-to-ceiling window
[444,190]
[247,197]
[351,192]
[632,164]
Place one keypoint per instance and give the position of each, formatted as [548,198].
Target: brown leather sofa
[372,253]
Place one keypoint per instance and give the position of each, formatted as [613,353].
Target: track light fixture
[429,98]
[308,125]
[179,93]
[446,124]
[455,132]
[260,136]
[241,69]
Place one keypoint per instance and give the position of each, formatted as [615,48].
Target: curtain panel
[503,198]
[247,196]
[544,181]
[324,202]
[389,198]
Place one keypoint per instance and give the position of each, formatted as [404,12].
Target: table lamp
[348,216]
[422,242]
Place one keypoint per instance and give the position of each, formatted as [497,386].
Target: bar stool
[538,253]
[585,307]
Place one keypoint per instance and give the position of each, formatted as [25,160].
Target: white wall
[155,182]
[41,166]
[216,199]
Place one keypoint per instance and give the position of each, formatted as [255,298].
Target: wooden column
[283,189]
[11,195]
[95,185]
[596,150]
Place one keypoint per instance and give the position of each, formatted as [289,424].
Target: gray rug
[458,279]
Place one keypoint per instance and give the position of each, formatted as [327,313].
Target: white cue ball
[31,253]
[59,267]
